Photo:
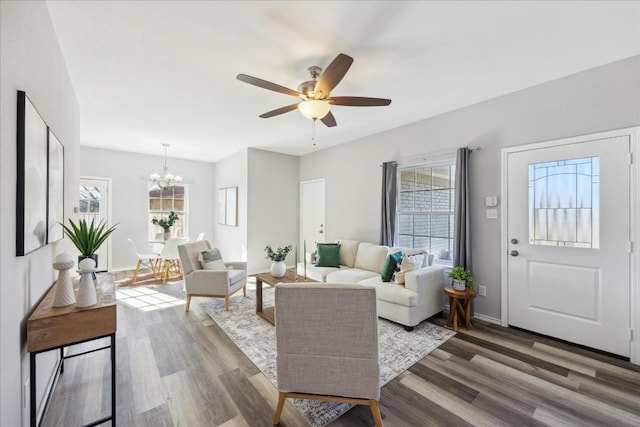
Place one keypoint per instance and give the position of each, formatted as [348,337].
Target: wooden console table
[50,328]
[268,313]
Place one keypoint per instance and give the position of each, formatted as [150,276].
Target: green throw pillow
[328,255]
[389,266]
[211,260]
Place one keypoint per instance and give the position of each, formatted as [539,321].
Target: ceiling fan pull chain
[313,131]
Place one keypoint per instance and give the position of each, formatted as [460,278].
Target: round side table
[459,307]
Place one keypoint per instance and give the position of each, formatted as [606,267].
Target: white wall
[600,99]
[129,173]
[272,205]
[232,241]
[30,60]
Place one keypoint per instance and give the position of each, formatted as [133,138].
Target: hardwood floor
[180,369]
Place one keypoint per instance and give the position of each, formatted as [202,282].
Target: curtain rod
[426,156]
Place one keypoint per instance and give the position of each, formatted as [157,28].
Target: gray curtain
[462,220]
[389,194]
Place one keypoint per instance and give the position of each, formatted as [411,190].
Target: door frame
[634,227]
[109,182]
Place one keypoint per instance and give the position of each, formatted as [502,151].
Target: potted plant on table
[166,224]
[461,278]
[88,237]
[278,267]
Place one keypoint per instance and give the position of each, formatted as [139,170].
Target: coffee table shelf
[268,313]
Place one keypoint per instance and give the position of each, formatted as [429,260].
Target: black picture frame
[55,188]
[32,155]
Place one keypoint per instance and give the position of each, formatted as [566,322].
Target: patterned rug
[399,349]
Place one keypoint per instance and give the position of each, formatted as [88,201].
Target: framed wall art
[31,200]
[228,206]
[55,189]
[222,206]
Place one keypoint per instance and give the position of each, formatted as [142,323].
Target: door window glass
[89,203]
[564,199]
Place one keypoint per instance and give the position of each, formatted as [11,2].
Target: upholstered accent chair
[210,283]
[327,344]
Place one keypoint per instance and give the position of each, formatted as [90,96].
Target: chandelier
[166,179]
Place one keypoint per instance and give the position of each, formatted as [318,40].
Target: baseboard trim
[477,316]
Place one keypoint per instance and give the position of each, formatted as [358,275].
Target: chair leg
[165,275]
[226,303]
[153,266]
[135,273]
[276,418]
[186,308]
[375,411]
[244,291]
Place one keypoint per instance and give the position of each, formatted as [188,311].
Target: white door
[93,204]
[568,231]
[312,225]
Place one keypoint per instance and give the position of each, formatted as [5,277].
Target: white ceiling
[153,72]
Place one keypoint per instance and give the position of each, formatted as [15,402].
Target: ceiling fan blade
[266,85]
[329,120]
[279,111]
[358,101]
[332,75]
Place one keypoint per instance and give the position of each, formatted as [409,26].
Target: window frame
[152,229]
[449,162]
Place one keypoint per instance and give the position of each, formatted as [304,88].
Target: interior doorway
[94,203]
[312,214]
[567,229]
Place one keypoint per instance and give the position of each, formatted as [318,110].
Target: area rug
[255,337]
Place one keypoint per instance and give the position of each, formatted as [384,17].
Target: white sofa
[418,299]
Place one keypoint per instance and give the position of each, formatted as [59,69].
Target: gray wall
[30,60]
[129,204]
[596,100]
[272,206]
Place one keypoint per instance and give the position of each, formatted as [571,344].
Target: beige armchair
[327,344]
[210,283]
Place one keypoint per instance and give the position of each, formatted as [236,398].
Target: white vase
[166,235]
[459,285]
[86,291]
[64,286]
[278,269]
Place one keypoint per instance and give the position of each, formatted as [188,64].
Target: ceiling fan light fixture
[314,109]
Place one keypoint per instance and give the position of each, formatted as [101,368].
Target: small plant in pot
[88,237]
[278,267]
[166,224]
[461,278]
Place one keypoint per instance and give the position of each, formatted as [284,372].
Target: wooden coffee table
[267,313]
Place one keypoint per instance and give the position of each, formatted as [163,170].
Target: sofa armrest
[214,282]
[237,265]
[428,283]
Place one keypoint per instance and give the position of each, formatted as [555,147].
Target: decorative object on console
[166,224]
[64,286]
[461,278]
[278,267]
[167,179]
[88,238]
[87,289]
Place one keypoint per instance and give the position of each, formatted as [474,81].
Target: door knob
[321,231]
[514,253]
[514,241]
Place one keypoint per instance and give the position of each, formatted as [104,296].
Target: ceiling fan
[315,93]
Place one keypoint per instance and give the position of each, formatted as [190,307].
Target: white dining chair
[144,260]
[171,258]
[200,237]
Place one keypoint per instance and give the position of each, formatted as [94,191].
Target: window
[564,203]
[161,203]
[426,197]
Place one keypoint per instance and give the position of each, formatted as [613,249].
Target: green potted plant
[461,278]
[278,267]
[166,224]
[88,237]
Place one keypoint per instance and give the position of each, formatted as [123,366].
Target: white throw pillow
[409,263]
[211,260]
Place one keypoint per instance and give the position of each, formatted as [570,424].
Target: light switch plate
[491,201]
[492,213]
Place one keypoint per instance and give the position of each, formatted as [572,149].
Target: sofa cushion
[370,257]
[328,255]
[348,251]
[350,275]
[409,263]
[389,266]
[316,273]
[392,292]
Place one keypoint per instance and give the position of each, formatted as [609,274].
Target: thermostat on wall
[491,201]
